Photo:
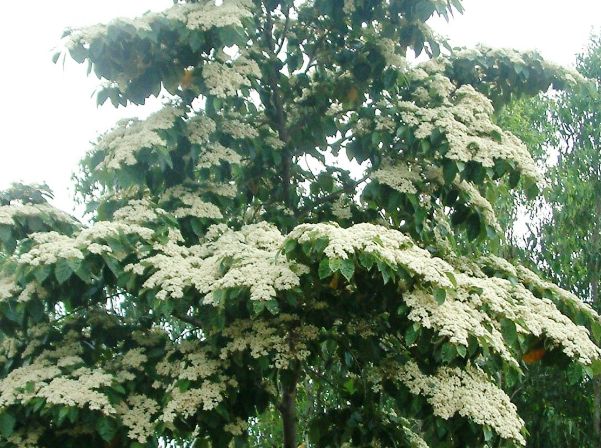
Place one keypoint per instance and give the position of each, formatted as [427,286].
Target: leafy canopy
[232,265]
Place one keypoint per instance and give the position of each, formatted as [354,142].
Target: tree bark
[288,411]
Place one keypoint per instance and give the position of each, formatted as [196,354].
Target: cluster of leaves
[335,330]
[561,131]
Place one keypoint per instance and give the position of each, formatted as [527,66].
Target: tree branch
[188,319]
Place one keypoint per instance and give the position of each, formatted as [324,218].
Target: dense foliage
[232,269]
[563,241]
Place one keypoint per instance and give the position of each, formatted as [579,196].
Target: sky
[48,116]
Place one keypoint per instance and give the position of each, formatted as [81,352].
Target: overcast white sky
[48,117]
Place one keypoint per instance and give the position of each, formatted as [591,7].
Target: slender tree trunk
[288,411]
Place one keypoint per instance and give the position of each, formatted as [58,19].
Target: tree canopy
[231,266]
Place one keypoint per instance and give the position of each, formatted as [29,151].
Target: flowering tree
[232,264]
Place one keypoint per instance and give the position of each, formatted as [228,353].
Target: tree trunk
[288,411]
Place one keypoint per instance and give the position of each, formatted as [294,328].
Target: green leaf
[473,226]
[449,171]
[350,387]
[335,264]
[461,350]
[411,334]
[448,352]
[508,329]
[440,295]
[488,434]
[106,429]
[574,374]
[7,424]
[42,273]
[596,366]
[452,278]
[289,246]
[324,270]
[272,306]
[347,268]
[62,271]
[366,260]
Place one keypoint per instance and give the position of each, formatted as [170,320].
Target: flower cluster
[464,117]
[50,247]
[202,15]
[190,204]
[122,144]
[274,340]
[390,245]
[251,259]
[225,79]
[400,176]
[469,393]
[10,215]
[137,414]
[215,153]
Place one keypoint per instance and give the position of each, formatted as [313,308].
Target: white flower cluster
[238,129]
[226,190]
[225,79]
[45,380]
[80,390]
[191,204]
[208,384]
[199,129]
[400,176]
[271,339]
[205,15]
[138,211]
[479,202]
[8,286]
[122,144]
[12,214]
[477,305]
[252,261]
[27,438]
[388,48]
[517,58]
[237,427]
[202,15]
[215,153]
[341,208]
[137,414]
[349,6]
[187,403]
[541,317]
[474,307]
[390,245]
[49,247]
[457,319]
[469,393]
[530,279]
[463,115]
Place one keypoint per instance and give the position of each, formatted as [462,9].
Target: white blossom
[469,393]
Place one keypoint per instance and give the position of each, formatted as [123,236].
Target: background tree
[232,266]
[561,130]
